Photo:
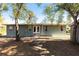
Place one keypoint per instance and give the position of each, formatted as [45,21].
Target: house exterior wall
[27,30]
[11,31]
[23,30]
[52,30]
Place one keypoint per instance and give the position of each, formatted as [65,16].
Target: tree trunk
[17,30]
[74,29]
[16,23]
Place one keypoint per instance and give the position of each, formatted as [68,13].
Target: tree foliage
[51,10]
[15,10]
[69,19]
[60,16]
[25,13]
[3,7]
[48,11]
[31,18]
[72,8]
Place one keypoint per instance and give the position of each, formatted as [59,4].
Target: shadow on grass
[55,48]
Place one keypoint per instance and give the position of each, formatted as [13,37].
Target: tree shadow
[46,48]
[21,48]
[62,48]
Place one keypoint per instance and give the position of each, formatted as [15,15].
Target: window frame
[36,29]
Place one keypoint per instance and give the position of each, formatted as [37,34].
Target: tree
[69,19]
[44,21]
[51,10]
[31,18]
[3,7]
[73,10]
[1,19]
[18,10]
[48,11]
[60,16]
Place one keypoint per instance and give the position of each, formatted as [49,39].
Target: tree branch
[18,11]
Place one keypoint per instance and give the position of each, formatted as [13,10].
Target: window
[46,28]
[61,28]
[10,27]
[36,29]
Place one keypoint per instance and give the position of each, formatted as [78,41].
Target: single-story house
[26,30]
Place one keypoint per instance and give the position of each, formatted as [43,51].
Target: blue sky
[38,11]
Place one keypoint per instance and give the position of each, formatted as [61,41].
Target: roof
[35,24]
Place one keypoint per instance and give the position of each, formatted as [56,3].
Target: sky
[38,11]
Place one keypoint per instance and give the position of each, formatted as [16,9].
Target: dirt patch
[47,48]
